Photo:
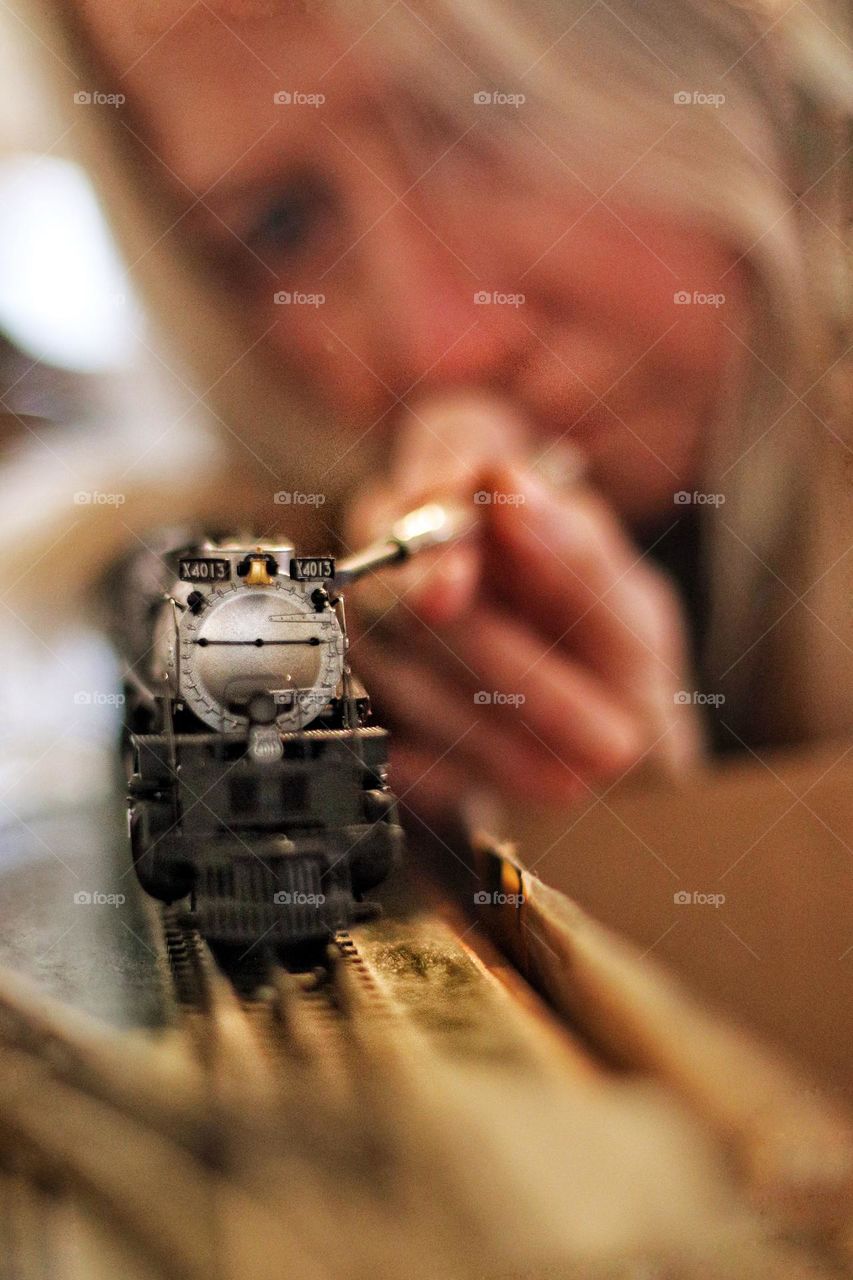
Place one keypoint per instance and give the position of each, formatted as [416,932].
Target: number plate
[312,568]
[204,570]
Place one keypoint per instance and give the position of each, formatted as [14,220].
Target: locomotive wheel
[162,869]
[375,852]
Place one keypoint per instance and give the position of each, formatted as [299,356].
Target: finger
[565,704]
[581,580]
[428,787]
[440,444]
[420,705]
[434,790]
[438,587]
[589,585]
[559,720]
[446,440]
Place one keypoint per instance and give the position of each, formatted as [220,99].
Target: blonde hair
[769,175]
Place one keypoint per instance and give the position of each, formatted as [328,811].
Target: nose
[430,325]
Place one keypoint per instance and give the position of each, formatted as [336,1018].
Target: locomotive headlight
[251,640]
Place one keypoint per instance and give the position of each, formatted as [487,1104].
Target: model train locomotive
[257,784]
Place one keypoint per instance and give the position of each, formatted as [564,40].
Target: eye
[292,218]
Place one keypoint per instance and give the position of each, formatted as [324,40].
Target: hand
[536,660]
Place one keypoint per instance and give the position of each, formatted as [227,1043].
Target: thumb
[442,445]
[446,440]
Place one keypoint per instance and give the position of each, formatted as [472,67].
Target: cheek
[664,301]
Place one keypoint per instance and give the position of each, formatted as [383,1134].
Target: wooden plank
[775,838]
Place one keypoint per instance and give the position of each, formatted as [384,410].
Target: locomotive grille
[282,900]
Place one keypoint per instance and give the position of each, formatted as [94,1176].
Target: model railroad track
[262,1013]
[365,1118]
[172,1155]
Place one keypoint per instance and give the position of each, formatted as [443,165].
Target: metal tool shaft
[436,523]
[432,525]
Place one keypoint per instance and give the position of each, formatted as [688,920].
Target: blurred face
[387,224]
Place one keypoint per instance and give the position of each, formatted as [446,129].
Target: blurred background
[79,397]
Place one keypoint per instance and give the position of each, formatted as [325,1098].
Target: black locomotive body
[257,784]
